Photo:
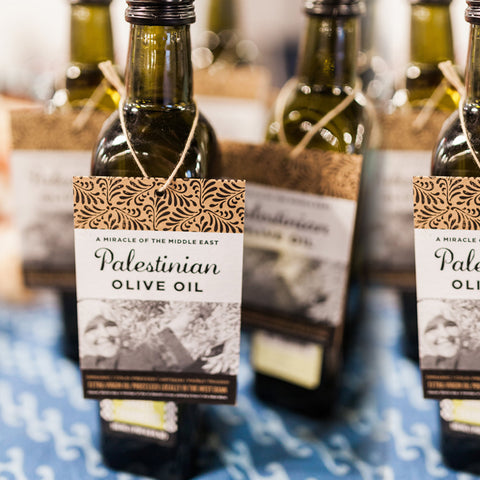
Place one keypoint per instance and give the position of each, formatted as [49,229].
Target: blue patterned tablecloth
[384,429]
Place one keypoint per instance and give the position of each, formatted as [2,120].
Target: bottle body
[91,42]
[158,116]
[158,136]
[459,435]
[144,455]
[326,76]
[455,156]
[431,42]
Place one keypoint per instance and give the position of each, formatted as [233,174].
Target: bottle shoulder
[158,137]
[346,132]
[452,155]
[421,82]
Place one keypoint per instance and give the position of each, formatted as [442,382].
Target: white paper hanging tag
[159,287]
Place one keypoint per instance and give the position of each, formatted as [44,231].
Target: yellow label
[462,411]
[296,362]
[154,415]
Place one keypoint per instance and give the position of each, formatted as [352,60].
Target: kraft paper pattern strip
[193,205]
[314,171]
[447,203]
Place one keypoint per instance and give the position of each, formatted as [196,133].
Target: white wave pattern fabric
[385,430]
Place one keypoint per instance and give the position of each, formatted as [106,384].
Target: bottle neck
[328,56]
[472,70]
[91,39]
[431,39]
[222,15]
[159,66]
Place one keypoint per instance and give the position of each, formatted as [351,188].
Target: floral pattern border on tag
[446,203]
[134,204]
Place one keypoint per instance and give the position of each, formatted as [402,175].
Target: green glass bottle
[223,35]
[460,436]
[159,112]
[222,44]
[91,42]
[159,109]
[452,155]
[326,75]
[431,42]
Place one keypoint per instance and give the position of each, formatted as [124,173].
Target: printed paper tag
[297,257]
[47,151]
[159,287]
[447,253]
[388,221]
[42,188]
[300,217]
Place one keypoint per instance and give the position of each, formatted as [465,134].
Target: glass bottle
[452,156]
[222,24]
[91,42]
[431,42]
[159,111]
[222,44]
[326,75]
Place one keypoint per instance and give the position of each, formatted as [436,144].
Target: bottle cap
[334,8]
[160,12]
[472,13]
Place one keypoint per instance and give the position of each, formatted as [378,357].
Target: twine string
[89,107]
[112,76]
[450,76]
[430,105]
[328,117]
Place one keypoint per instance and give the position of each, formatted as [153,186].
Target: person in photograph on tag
[442,335]
[448,337]
[101,343]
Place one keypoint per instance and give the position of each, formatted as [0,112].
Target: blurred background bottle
[91,42]
[326,75]
[431,42]
[222,43]
[410,122]
[159,112]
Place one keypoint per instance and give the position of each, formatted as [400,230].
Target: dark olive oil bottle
[326,75]
[431,42]
[159,113]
